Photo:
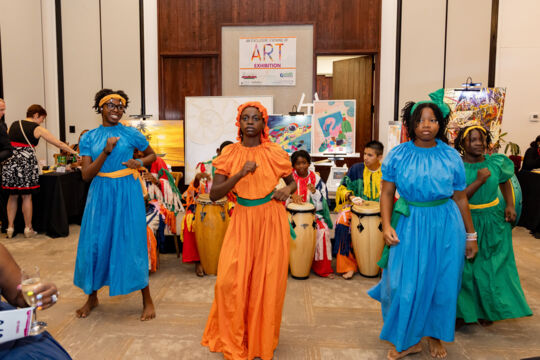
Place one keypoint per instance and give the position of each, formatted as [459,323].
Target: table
[530,187]
[60,202]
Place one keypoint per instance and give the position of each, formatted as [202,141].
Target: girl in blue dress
[425,231]
[112,248]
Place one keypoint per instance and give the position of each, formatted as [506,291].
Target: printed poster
[334,126]
[291,132]
[267,61]
[484,107]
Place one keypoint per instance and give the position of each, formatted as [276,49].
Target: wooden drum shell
[210,224]
[367,237]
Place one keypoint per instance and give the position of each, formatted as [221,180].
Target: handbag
[40,172]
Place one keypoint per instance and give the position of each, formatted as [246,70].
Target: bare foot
[394,355]
[90,304]
[436,348]
[331,276]
[149,312]
[199,269]
[348,275]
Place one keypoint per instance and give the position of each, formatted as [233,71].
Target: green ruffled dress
[491,289]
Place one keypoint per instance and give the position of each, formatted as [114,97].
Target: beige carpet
[322,318]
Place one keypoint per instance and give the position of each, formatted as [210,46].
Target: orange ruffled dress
[245,318]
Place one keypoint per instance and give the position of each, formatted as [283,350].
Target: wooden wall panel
[186,76]
[190,28]
[324,87]
[194,25]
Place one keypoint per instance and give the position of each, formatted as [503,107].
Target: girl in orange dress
[245,318]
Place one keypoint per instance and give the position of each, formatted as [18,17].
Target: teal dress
[112,246]
[491,289]
[419,287]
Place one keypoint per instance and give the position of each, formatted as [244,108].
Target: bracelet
[472,239]
[139,160]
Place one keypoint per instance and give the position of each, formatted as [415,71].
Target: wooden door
[353,79]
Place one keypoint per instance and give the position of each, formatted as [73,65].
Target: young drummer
[362,182]
[311,188]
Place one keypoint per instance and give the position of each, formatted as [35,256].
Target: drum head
[367,208]
[303,207]
[205,199]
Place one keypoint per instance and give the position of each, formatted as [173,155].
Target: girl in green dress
[490,289]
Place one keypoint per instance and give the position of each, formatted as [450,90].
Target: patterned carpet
[322,318]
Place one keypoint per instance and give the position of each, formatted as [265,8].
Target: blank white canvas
[209,121]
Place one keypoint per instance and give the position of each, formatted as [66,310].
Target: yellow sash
[126,172]
[484,206]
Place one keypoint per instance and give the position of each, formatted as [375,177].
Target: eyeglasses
[111,106]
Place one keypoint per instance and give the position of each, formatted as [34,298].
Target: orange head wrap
[264,112]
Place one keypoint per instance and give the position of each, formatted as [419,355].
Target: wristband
[472,239]
[139,160]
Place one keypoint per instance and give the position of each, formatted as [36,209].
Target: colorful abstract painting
[484,107]
[166,137]
[291,132]
[334,126]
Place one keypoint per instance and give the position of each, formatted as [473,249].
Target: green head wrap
[437,98]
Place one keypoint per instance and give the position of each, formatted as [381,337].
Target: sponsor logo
[249,76]
[286,74]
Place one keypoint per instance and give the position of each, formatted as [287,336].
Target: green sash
[401,208]
[257,202]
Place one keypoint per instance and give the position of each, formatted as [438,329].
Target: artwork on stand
[291,132]
[334,126]
[484,107]
[394,135]
[211,120]
[166,137]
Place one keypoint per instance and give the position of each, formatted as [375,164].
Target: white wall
[22,60]
[518,54]
[82,64]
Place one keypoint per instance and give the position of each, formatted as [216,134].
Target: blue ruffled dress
[112,246]
[420,286]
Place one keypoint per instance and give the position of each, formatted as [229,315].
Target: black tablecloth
[60,202]
[530,187]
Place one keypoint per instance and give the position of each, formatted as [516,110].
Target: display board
[267,61]
[484,107]
[334,123]
[291,132]
[166,137]
[210,120]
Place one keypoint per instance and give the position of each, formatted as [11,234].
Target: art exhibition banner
[267,61]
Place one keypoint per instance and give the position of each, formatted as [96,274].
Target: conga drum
[367,237]
[516,195]
[302,249]
[210,224]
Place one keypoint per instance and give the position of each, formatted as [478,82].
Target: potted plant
[514,155]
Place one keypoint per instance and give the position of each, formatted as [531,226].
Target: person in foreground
[426,236]
[42,346]
[490,289]
[245,318]
[112,246]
